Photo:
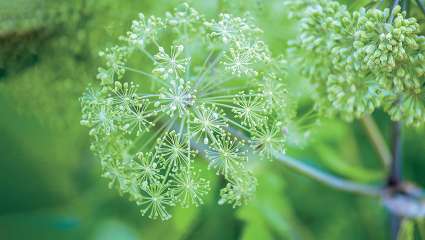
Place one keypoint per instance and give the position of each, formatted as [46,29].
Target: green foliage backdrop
[50,184]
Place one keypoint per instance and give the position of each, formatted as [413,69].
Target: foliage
[26,27]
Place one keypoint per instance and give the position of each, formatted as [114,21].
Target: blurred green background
[50,184]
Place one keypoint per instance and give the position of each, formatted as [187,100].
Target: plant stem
[394,177]
[317,174]
[326,178]
[395,174]
[314,173]
[377,140]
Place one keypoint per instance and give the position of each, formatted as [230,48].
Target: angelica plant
[362,60]
[181,86]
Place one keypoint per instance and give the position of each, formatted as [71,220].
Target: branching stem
[316,174]
[395,174]
[394,177]
[319,175]
[328,179]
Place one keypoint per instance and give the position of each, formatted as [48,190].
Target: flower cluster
[362,60]
[179,87]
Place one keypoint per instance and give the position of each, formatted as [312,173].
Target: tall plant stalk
[395,174]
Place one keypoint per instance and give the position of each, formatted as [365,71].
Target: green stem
[326,178]
[317,174]
[395,175]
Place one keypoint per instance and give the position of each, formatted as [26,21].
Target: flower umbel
[159,98]
[363,60]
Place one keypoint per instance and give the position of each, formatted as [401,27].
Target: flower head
[160,98]
[239,190]
[268,139]
[189,189]
[170,65]
[363,60]
[155,200]
[226,155]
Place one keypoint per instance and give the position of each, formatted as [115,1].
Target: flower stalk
[395,175]
[328,179]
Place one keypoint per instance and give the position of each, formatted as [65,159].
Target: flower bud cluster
[363,60]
